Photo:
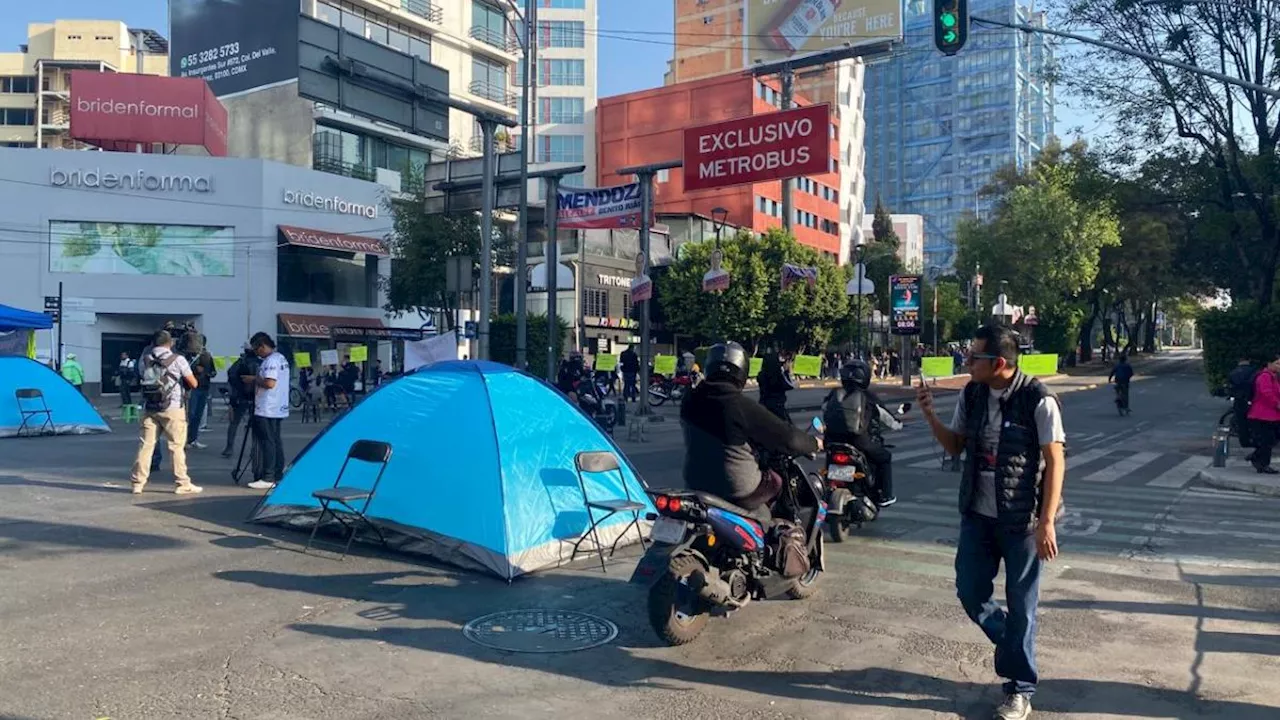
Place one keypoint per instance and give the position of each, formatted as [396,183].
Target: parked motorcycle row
[710,557]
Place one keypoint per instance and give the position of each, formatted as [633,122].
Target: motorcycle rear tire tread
[662,605]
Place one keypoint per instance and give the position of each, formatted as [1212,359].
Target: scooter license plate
[668,531]
[840,472]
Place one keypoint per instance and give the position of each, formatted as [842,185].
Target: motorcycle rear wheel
[836,530]
[807,585]
[674,626]
[656,396]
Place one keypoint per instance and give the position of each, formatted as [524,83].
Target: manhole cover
[540,631]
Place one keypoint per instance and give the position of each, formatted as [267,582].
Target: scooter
[850,481]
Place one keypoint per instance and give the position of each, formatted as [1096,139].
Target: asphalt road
[1164,603]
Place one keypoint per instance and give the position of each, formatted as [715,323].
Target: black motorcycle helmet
[855,375]
[727,361]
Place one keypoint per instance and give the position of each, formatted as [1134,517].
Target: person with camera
[240,394]
[165,375]
[270,408]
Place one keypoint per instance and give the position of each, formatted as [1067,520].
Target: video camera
[187,340]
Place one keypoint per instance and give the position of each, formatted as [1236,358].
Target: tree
[739,312]
[421,245]
[802,317]
[882,227]
[1230,133]
[502,341]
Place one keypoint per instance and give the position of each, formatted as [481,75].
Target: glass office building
[938,126]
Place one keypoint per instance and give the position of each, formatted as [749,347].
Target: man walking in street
[126,375]
[164,376]
[1010,429]
[205,371]
[270,408]
[630,363]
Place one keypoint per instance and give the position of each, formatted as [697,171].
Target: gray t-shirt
[1048,427]
[177,369]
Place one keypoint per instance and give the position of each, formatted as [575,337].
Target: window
[562,72]
[17,116]
[662,176]
[564,4]
[491,77]
[353,23]
[595,302]
[576,180]
[328,13]
[560,110]
[560,148]
[325,277]
[488,24]
[561,34]
[421,48]
[21,84]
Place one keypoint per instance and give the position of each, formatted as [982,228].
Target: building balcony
[334,166]
[424,9]
[494,93]
[495,39]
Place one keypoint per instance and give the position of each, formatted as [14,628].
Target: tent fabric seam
[502,475]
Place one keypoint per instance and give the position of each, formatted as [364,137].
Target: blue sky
[628,62]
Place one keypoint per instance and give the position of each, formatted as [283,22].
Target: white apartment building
[910,232]
[566,88]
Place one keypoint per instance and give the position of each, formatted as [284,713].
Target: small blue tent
[481,474]
[70,412]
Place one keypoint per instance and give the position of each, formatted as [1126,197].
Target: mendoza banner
[608,208]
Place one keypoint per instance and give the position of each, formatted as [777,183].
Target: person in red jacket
[1264,415]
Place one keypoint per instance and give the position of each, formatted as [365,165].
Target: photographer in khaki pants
[164,375]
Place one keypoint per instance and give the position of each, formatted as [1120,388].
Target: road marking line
[1122,468]
[1074,460]
[1182,473]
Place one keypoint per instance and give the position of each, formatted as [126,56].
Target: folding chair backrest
[599,461]
[27,398]
[368,451]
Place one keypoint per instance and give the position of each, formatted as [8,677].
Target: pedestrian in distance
[198,401]
[126,376]
[1010,428]
[630,363]
[1240,385]
[270,408]
[1264,416]
[165,376]
[774,381]
[73,372]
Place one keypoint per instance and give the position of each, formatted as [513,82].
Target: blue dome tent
[69,411]
[482,470]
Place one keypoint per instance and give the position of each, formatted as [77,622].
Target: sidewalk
[1240,475]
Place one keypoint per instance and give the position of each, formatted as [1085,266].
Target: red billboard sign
[118,111]
[758,148]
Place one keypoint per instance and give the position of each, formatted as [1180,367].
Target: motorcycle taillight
[841,458]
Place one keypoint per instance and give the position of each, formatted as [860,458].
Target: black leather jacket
[721,426]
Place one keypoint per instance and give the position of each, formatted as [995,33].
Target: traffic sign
[52,302]
[54,315]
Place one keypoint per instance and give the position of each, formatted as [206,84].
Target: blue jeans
[983,545]
[196,404]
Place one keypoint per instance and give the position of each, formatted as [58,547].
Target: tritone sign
[759,148]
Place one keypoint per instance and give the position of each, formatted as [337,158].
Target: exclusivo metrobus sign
[758,148]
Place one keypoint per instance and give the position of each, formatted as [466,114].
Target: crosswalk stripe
[1075,460]
[1182,473]
[1122,468]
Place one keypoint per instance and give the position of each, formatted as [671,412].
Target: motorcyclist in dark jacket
[848,413]
[572,372]
[721,426]
[774,382]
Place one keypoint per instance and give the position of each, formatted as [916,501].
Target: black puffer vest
[1019,468]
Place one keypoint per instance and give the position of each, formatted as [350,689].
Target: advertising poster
[235,45]
[904,293]
[108,248]
[116,110]
[776,30]
[608,208]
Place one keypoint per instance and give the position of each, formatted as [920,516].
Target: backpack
[157,382]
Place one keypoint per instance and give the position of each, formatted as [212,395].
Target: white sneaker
[197,444]
[188,490]
[261,485]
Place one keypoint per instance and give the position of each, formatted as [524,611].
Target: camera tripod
[246,442]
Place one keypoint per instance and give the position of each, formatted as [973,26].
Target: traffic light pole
[528,101]
[644,175]
[1263,89]
[787,77]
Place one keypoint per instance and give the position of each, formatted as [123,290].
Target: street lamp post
[858,287]
[719,216]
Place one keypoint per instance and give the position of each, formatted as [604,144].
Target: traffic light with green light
[950,25]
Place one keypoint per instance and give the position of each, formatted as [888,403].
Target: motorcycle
[711,557]
[850,481]
[662,388]
[599,403]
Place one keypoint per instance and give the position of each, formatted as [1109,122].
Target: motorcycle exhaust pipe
[712,589]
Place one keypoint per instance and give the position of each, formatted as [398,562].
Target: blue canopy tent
[482,471]
[69,411]
[12,318]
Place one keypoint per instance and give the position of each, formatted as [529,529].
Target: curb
[1212,479]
